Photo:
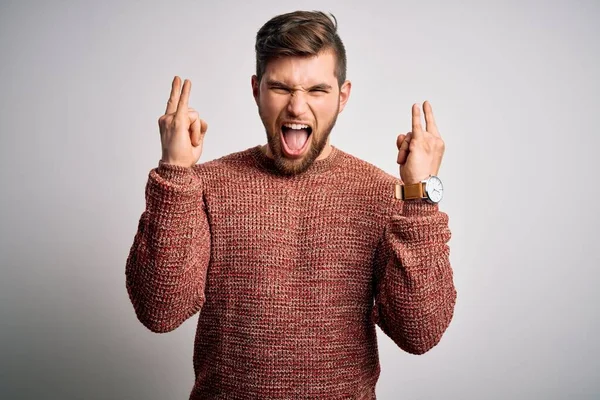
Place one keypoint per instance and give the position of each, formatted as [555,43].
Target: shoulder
[231,164]
[368,184]
[365,171]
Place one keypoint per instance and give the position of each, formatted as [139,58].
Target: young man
[293,251]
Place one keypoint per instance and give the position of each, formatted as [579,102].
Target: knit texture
[290,275]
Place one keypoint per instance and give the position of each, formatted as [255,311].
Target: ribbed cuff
[173,192]
[418,220]
[174,174]
[418,208]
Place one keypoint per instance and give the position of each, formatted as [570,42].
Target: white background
[515,90]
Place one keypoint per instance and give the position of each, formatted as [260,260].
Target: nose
[297,104]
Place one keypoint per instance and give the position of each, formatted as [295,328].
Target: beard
[287,166]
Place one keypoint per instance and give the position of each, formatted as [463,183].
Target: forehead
[296,70]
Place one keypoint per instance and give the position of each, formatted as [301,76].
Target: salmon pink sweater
[289,275]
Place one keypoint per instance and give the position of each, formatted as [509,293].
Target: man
[293,251]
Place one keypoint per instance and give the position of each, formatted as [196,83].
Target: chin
[295,165]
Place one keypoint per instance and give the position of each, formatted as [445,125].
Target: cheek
[271,106]
[325,109]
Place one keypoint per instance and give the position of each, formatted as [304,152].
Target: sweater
[289,275]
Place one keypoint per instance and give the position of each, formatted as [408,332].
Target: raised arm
[414,293]
[167,264]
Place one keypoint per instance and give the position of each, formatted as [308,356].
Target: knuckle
[178,120]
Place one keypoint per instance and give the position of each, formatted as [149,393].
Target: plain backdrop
[515,91]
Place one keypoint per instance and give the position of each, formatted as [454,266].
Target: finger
[199,128]
[195,126]
[416,120]
[174,97]
[182,107]
[400,140]
[406,143]
[403,139]
[403,149]
[430,125]
[402,156]
[193,115]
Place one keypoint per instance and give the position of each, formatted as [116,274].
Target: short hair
[300,33]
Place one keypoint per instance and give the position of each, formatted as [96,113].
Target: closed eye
[280,89]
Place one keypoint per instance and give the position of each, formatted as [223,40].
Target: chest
[293,243]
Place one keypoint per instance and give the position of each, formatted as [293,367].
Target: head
[300,86]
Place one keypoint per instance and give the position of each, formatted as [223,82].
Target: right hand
[181,129]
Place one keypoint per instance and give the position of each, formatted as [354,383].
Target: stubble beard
[287,166]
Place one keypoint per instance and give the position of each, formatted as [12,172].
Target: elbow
[430,336]
[162,322]
[419,347]
[155,319]
[419,338]
[158,326]
[162,317]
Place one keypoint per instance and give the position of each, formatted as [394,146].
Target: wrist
[429,190]
[412,180]
[168,161]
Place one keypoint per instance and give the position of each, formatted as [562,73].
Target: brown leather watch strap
[414,191]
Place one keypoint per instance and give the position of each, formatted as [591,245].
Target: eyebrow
[320,86]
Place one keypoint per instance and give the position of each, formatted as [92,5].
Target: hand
[181,129]
[420,152]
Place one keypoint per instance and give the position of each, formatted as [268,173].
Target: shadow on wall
[73,335]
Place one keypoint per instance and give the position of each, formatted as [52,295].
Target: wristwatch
[431,190]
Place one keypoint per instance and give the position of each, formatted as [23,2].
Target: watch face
[434,189]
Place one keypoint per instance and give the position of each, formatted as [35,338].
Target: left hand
[420,152]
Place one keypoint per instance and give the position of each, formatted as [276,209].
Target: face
[298,101]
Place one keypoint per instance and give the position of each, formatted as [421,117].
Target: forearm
[415,294]
[167,263]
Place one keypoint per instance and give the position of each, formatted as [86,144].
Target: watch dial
[434,189]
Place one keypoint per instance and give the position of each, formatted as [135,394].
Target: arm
[414,292]
[167,263]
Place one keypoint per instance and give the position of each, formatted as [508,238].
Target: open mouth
[295,138]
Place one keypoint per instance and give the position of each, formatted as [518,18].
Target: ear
[345,94]
[255,88]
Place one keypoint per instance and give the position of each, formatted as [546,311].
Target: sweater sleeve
[167,264]
[414,289]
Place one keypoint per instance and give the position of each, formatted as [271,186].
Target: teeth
[296,126]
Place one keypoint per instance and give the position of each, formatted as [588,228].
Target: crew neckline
[317,167]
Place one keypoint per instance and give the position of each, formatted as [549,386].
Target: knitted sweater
[289,274]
